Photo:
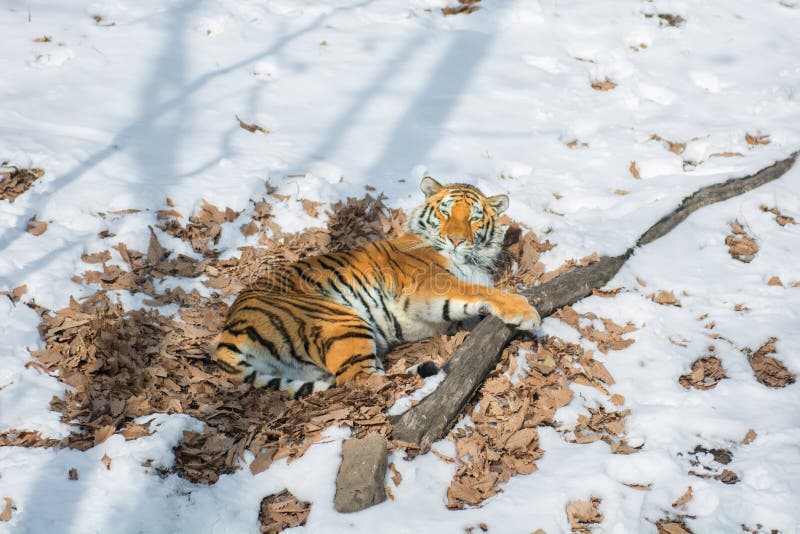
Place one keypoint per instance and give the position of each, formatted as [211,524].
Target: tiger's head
[460,221]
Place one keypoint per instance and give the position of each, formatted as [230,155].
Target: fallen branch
[477,355]
[472,361]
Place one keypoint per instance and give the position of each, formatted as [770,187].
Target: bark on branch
[472,361]
[477,356]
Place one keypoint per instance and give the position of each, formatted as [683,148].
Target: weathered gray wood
[471,362]
[476,357]
[360,481]
[466,369]
[715,193]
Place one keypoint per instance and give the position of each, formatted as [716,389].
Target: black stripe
[357,358]
[274,383]
[356,294]
[446,310]
[301,324]
[305,278]
[279,326]
[304,391]
[349,335]
[228,367]
[230,346]
[253,334]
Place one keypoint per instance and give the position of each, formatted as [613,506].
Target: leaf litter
[741,245]
[767,369]
[124,364]
[14,181]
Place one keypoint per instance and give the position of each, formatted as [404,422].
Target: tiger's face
[460,221]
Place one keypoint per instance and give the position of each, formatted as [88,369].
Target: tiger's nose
[455,240]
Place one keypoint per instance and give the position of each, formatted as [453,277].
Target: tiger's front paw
[515,310]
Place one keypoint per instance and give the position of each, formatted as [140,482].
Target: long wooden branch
[472,361]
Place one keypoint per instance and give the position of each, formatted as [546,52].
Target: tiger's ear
[499,203]
[429,186]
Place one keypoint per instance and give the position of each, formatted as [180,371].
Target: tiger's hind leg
[300,381]
[348,348]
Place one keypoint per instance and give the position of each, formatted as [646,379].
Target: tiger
[327,319]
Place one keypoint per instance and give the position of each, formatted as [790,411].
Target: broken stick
[472,361]
[477,355]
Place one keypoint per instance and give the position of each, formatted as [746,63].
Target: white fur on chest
[469,272]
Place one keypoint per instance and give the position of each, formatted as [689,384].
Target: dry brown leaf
[621,192]
[73,474]
[310,207]
[263,461]
[249,229]
[665,298]
[606,292]
[775,281]
[103,433]
[726,155]
[727,477]
[780,218]
[155,252]
[465,7]
[15,181]
[758,139]
[281,511]
[603,85]
[672,527]
[749,437]
[683,499]
[397,477]
[106,461]
[97,257]
[36,227]
[705,374]
[767,369]
[582,514]
[15,294]
[252,128]
[168,214]
[667,19]
[634,170]
[9,507]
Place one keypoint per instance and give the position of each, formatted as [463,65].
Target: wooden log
[472,361]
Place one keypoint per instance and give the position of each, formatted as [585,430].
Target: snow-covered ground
[140,105]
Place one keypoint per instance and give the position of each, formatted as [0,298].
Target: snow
[381,93]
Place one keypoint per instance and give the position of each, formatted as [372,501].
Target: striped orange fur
[328,318]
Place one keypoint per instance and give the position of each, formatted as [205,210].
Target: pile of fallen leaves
[706,373]
[124,364]
[15,181]
[767,369]
[741,245]
[502,441]
[582,515]
[282,511]
[127,364]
